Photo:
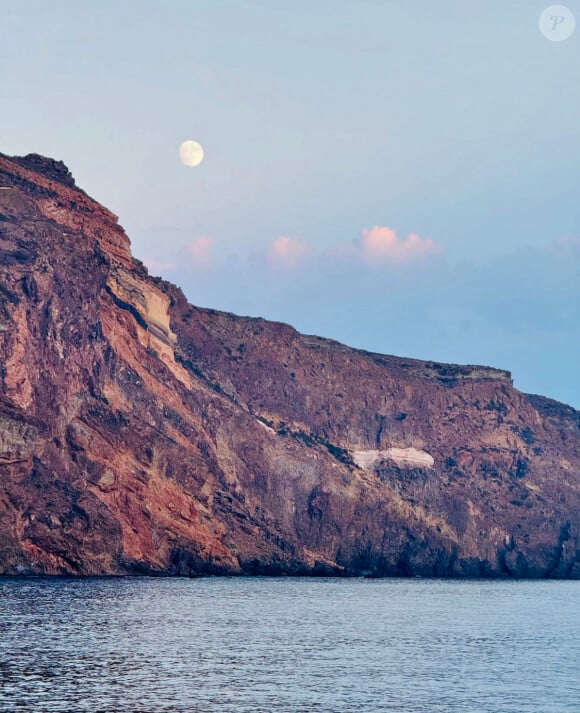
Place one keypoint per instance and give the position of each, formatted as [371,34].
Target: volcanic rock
[141,434]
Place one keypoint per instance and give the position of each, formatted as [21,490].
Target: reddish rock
[140,434]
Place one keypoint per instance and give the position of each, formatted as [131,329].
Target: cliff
[141,434]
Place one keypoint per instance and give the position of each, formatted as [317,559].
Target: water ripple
[231,645]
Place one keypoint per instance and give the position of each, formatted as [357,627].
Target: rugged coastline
[142,435]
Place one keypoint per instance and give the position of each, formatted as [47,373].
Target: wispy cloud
[567,244]
[376,247]
[381,244]
[289,252]
[200,251]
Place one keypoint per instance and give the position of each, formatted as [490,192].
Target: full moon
[191,153]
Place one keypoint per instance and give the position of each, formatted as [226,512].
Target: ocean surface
[239,645]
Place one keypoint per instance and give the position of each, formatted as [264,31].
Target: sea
[253,645]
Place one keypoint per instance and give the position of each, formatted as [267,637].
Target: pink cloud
[381,244]
[200,251]
[289,252]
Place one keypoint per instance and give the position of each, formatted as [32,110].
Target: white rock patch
[409,457]
[367,459]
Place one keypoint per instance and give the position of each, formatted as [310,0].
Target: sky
[400,175]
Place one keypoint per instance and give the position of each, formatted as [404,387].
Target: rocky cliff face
[140,434]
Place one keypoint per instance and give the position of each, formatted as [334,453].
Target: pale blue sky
[456,120]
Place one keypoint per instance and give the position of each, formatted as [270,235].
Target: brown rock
[140,434]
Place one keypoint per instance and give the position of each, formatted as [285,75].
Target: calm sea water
[252,645]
